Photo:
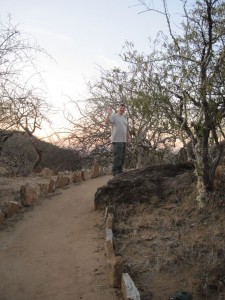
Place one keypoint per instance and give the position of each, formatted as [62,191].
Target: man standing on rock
[119,137]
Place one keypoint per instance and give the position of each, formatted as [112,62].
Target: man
[119,137]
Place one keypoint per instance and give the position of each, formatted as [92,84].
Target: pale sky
[81,35]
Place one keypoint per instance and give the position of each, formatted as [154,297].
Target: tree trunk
[199,171]
[38,151]
[139,164]
[39,158]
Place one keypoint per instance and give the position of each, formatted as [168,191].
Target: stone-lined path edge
[55,251]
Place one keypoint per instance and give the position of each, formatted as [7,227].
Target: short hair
[122,104]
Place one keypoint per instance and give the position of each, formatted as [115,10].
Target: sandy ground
[57,251]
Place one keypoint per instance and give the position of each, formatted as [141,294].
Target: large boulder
[152,184]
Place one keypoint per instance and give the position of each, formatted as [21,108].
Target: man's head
[121,108]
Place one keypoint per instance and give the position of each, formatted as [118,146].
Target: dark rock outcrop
[152,184]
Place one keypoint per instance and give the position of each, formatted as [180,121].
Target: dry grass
[172,246]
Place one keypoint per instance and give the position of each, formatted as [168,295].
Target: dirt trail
[56,251]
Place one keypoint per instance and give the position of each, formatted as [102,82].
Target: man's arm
[108,115]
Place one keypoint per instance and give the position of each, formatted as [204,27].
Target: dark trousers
[119,155]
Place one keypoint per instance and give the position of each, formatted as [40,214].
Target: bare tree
[190,77]
[22,106]
[175,91]
[146,122]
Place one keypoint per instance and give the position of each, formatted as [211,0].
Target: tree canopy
[175,92]
[23,106]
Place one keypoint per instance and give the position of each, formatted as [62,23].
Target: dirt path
[57,251]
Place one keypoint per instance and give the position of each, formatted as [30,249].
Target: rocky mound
[167,244]
[153,184]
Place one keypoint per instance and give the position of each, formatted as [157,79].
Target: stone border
[115,264]
[30,192]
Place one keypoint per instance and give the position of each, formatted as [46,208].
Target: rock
[115,269]
[28,194]
[89,173]
[76,177]
[62,181]
[84,174]
[51,186]
[109,221]
[10,208]
[95,170]
[107,170]
[109,249]
[109,210]
[109,235]
[128,288]
[115,264]
[47,172]
[147,184]
[43,189]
